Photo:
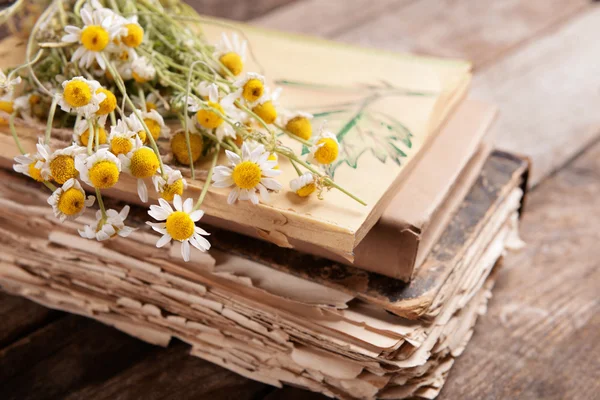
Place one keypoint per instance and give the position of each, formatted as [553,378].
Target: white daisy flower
[60,165]
[23,104]
[325,149]
[7,105]
[100,170]
[30,164]
[141,163]
[304,185]
[209,119]
[81,133]
[121,139]
[250,89]
[232,53]
[251,173]
[179,225]
[81,95]
[93,38]
[266,106]
[174,184]
[142,70]
[69,201]
[8,85]
[156,124]
[153,102]
[104,229]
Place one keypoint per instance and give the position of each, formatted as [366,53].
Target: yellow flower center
[135,35]
[180,226]
[266,111]
[328,152]
[7,107]
[247,175]
[35,173]
[77,94]
[300,126]
[109,104]
[253,90]
[62,168]
[138,78]
[210,119]
[144,163]
[34,99]
[94,38]
[151,106]
[180,150]
[306,190]
[153,127]
[233,62]
[71,201]
[143,136]
[169,191]
[120,145]
[273,157]
[104,174]
[86,135]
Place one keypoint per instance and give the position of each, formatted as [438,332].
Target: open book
[383,107]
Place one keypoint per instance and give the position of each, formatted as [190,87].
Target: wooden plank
[326,18]
[541,336]
[173,373]
[64,355]
[543,91]
[237,10]
[20,317]
[474,30]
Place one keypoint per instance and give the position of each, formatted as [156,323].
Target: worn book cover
[384,109]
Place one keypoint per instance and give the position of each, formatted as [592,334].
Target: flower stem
[208,178]
[100,203]
[91,134]
[50,119]
[185,118]
[11,124]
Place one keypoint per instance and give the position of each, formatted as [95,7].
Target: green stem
[208,178]
[91,134]
[295,167]
[101,203]
[50,119]
[185,118]
[11,124]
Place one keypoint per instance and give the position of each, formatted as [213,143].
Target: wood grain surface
[541,338]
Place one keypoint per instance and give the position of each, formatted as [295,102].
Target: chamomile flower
[142,70]
[232,53]
[8,85]
[7,106]
[121,139]
[304,185]
[141,163]
[69,201]
[25,104]
[209,118]
[251,173]
[93,38]
[109,227]
[156,124]
[81,133]
[250,89]
[179,145]
[60,165]
[266,106]
[100,170]
[30,164]
[127,34]
[82,96]
[106,106]
[174,184]
[325,150]
[180,225]
[298,124]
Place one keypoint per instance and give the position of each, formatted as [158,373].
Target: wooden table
[540,61]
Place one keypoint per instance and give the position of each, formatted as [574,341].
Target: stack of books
[348,300]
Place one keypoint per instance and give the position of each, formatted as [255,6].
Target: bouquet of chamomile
[119,76]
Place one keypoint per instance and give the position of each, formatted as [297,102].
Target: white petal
[163,240]
[200,243]
[177,202]
[201,231]
[185,250]
[165,205]
[234,158]
[253,197]
[188,205]
[158,213]
[142,190]
[224,183]
[271,183]
[264,193]
[233,195]
[196,215]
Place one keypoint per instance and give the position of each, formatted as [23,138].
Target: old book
[385,109]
